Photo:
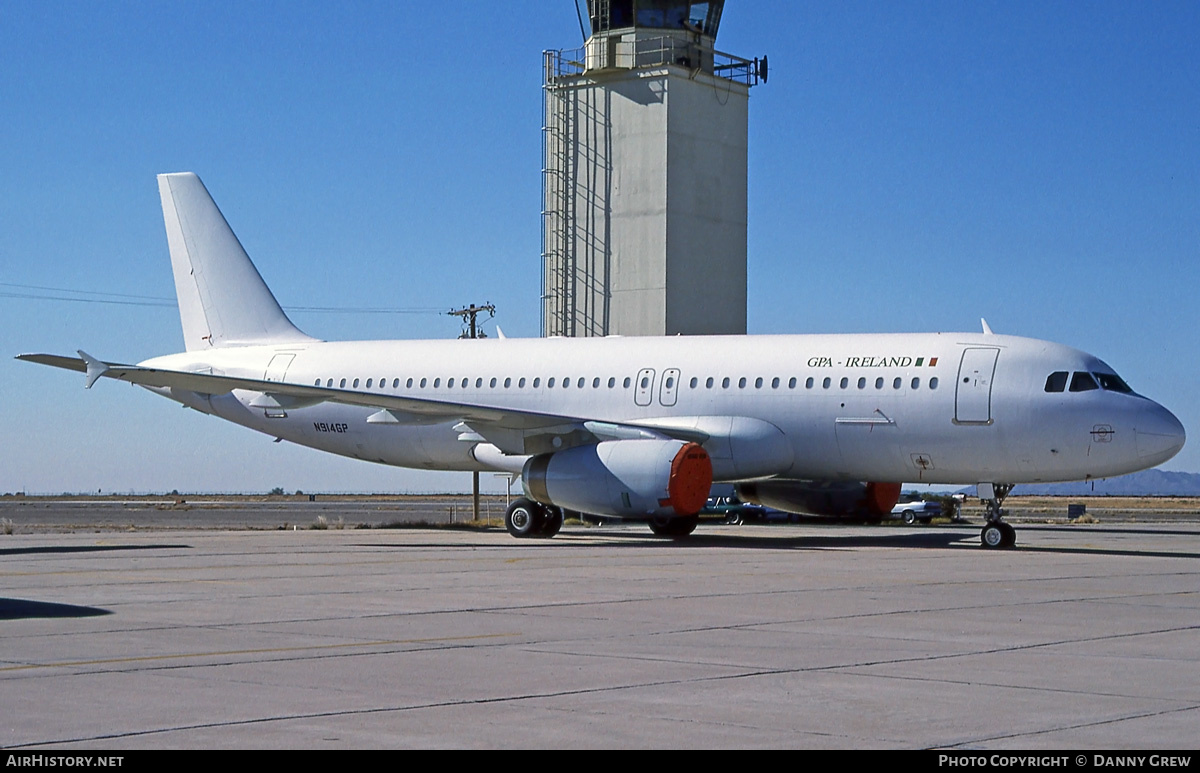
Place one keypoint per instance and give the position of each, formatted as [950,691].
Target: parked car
[917,510]
[735,510]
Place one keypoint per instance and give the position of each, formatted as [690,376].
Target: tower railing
[558,195]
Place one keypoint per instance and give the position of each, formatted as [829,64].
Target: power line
[127,299]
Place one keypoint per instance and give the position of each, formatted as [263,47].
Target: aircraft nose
[1159,435]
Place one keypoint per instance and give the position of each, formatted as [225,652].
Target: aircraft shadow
[24,609]
[49,549]
[1113,530]
[931,538]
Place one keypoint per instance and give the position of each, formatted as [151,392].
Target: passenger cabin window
[1083,382]
[1056,381]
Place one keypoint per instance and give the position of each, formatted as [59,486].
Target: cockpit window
[1056,381]
[1083,382]
[1113,383]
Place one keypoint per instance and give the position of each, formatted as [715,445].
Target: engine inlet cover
[632,478]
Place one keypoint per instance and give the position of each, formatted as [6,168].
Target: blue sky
[913,167]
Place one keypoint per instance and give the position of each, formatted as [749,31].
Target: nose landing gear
[996,533]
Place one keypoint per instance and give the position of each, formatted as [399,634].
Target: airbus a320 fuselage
[642,427]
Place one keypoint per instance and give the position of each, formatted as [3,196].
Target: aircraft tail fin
[223,300]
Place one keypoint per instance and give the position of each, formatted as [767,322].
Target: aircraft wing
[513,431]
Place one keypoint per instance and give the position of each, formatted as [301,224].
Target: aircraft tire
[524,518]
[674,527]
[552,521]
[994,536]
[1010,535]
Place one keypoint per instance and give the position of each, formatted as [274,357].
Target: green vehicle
[734,510]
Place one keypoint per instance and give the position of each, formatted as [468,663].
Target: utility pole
[471,330]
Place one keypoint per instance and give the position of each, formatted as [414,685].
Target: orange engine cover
[690,481]
[882,497]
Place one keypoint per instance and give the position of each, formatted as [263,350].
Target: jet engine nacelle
[864,500]
[630,478]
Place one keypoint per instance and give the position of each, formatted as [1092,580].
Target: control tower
[644,175]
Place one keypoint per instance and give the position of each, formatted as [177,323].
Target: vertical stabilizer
[223,301]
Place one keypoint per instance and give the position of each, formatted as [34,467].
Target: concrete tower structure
[644,175]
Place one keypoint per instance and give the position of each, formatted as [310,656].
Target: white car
[917,510]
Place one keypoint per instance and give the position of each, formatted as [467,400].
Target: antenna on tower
[583,29]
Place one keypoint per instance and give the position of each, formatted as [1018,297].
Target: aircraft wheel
[910,517]
[1010,535]
[674,527]
[552,521]
[524,518]
[995,535]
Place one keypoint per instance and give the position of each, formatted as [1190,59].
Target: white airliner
[642,427]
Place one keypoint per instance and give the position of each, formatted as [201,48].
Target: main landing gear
[996,533]
[679,526]
[526,518]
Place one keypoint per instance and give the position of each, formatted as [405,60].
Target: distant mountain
[1147,483]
